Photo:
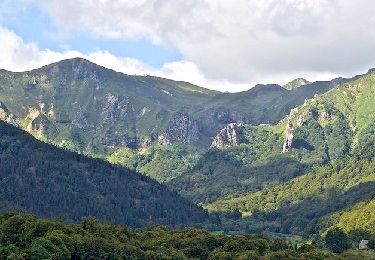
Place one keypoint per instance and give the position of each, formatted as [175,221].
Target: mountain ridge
[77,91]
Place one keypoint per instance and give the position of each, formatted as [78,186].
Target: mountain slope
[333,138]
[88,108]
[94,108]
[325,128]
[40,178]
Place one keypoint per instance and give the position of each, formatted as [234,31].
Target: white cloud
[17,55]
[241,40]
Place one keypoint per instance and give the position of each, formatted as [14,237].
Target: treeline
[24,236]
[42,179]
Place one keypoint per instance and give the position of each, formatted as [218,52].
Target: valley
[293,160]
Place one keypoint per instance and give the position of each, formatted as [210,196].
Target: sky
[218,44]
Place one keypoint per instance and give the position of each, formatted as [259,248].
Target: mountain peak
[296,83]
[76,62]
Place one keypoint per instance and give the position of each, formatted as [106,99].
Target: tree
[337,240]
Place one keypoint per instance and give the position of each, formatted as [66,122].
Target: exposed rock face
[114,108]
[296,83]
[163,140]
[118,122]
[300,121]
[182,128]
[229,136]
[80,119]
[324,116]
[39,124]
[289,135]
[6,115]
[144,143]
[32,115]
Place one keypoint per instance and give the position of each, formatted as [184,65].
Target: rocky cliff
[288,139]
[229,136]
[6,115]
[296,83]
[182,128]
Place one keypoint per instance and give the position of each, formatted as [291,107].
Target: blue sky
[216,44]
[35,25]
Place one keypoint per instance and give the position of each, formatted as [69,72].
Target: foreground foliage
[24,236]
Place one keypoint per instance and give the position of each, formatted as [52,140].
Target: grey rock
[229,136]
[182,128]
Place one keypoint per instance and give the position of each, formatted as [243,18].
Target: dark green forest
[59,184]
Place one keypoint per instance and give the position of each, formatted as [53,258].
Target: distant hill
[48,181]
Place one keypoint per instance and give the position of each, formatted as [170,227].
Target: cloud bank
[227,45]
[17,55]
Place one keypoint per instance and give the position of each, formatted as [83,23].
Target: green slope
[40,178]
[336,145]
[326,128]
[361,216]
[91,109]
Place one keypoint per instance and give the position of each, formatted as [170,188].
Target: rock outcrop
[229,136]
[296,83]
[117,122]
[114,108]
[289,135]
[39,124]
[163,140]
[182,128]
[6,115]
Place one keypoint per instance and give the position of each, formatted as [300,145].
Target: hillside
[57,184]
[228,151]
[332,139]
[247,158]
[88,108]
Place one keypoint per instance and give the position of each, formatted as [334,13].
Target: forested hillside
[245,158]
[58,184]
[334,141]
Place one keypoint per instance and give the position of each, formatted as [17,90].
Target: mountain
[58,184]
[311,171]
[296,83]
[90,109]
[284,159]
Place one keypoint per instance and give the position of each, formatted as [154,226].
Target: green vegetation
[40,178]
[335,146]
[258,162]
[25,236]
[98,111]
[162,163]
[322,189]
[337,240]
